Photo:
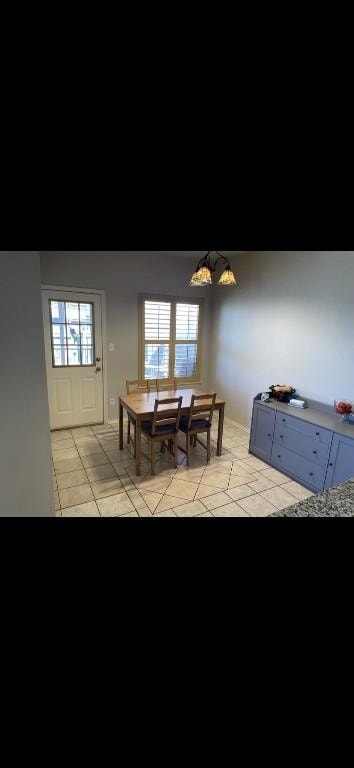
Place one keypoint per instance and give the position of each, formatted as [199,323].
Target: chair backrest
[163,385]
[167,416]
[152,385]
[203,410]
[136,385]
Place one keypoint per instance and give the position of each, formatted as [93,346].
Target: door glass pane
[157,358]
[59,334]
[86,335]
[60,356]
[58,311]
[186,360]
[72,312]
[74,357]
[72,335]
[86,355]
[86,313]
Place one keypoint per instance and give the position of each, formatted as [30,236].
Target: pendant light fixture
[203,275]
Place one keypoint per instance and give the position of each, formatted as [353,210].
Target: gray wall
[123,275]
[290,321]
[25,453]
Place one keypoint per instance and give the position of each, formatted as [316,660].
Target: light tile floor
[93,478]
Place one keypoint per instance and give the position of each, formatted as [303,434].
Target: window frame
[78,365]
[172,343]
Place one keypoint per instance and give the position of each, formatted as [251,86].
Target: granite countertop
[337,502]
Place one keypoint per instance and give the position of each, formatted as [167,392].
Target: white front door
[74,359]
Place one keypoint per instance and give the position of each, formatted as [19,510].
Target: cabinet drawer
[319,434]
[308,447]
[305,471]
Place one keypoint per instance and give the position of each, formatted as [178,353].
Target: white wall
[25,452]
[123,275]
[290,321]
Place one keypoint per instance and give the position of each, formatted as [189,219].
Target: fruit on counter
[343,407]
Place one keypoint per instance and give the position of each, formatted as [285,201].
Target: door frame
[102,294]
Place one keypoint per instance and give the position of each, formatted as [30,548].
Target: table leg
[220,430]
[137,446]
[120,425]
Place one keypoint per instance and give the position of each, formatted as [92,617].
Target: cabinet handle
[284,420]
[311,474]
[279,456]
[282,437]
[330,464]
[269,435]
[317,433]
[314,451]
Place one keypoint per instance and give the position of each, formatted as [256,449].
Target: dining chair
[135,385]
[199,419]
[163,385]
[163,426]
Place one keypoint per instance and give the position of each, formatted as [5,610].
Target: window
[71,333]
[170,333]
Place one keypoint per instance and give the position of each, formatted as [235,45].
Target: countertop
[337,502]
[317,413]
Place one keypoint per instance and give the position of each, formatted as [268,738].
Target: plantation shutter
[157,329]
[187,330]
[170,338]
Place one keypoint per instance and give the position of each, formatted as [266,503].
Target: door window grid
[72,322]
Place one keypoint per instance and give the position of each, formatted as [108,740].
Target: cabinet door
[341,461]
[263,422]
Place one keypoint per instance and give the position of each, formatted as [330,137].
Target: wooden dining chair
[163,426]
[163,385]
[199,419]
[135,385]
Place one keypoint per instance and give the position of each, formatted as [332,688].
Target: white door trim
[102,294]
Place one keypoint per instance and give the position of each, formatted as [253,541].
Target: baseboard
[236,424]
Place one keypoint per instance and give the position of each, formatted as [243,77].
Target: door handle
[98,369]
[98,359]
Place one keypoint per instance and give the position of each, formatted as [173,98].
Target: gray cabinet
[341,461]
[311,446]
[262,431]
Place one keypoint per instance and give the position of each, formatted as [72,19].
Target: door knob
[98,369]
[98,359]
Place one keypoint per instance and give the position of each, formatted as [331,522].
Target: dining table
[140,406]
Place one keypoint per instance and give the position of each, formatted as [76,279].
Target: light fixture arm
[223,259]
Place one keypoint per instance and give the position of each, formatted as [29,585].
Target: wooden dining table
[140,405]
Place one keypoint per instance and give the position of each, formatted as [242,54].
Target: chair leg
[162,449]
[187,446]
[128,440]
[195,441]
[191,439]
[176,451]
[208,446]
[152,457]
[134,443]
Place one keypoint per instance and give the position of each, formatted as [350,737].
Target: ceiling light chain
[203,273]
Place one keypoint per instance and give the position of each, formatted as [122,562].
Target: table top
[143,403]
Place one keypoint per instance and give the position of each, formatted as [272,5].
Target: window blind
[170,338]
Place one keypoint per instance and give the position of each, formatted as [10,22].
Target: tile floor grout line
[127,471]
